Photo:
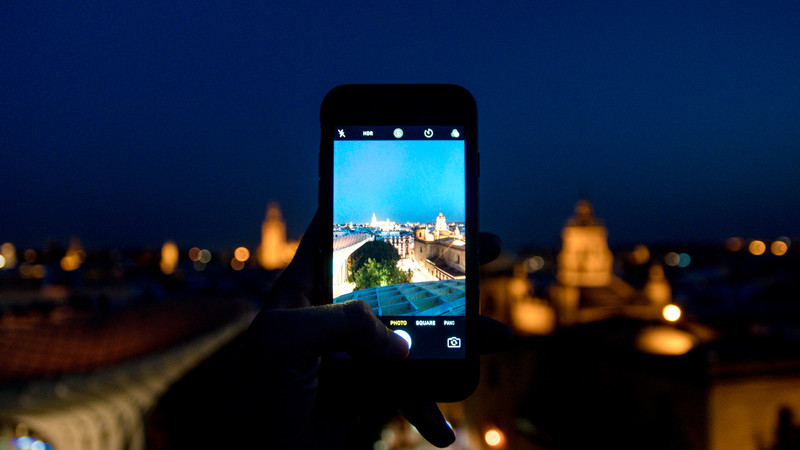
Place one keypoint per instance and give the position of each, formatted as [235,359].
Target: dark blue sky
[131,123]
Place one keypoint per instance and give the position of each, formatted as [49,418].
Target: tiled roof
[340,242]
[429,298]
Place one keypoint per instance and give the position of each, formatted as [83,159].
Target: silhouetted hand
[283,347]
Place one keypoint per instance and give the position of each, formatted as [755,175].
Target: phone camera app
[453,342]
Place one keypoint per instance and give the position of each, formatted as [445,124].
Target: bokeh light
[493,437]
[204,257]
[778,248]
[734,244]
[169,257]
[70,262]
[664,340]
[671,313]
[684,260]
[535,263]
[241,254]
[757,247]
[672,259]
[194,254]
[640,255]
[236,264]
[9,254]
[2,261]
[35,271]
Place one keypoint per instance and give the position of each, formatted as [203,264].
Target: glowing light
[518,287]
[640,255]
[70,262]
[236,264]
[734,244]
[2,262]
[778,248]
[74,257]
[533,318]
[9,254]
[194,254]
[199,266]
[671,313]
[494,437]
[665,340]
[757,248]
[672,259]
[684,260]
[37,271]
[205,256]
[169,257]
[241,254]
[535,263]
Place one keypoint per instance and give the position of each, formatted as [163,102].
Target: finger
[298,285]
[494,336]
[301,334]
[430,423]
[489,247]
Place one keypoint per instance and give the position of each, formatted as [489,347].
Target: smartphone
[398,206]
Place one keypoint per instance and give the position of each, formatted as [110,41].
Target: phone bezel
[375,105]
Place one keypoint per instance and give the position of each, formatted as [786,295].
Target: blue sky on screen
[405,181]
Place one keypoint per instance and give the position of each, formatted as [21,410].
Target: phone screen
[399,237]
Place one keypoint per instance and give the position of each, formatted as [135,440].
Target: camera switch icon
[453,342]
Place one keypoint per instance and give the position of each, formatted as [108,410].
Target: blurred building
[586,288]
[275,252]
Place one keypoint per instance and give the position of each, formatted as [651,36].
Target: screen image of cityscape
[413,182]
[158,166]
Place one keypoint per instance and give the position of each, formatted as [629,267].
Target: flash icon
[341,133]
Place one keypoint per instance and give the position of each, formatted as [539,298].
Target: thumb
[319,330]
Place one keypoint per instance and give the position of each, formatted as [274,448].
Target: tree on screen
[380,251]
[379,273]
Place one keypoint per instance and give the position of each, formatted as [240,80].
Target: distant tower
[375,222]
[441,223]
[657,288]
[271,253]
[585,259]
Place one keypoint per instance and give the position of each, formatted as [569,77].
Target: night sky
[128,123]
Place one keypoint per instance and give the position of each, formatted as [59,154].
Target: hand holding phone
[399,218]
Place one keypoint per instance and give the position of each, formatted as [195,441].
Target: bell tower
[585,259]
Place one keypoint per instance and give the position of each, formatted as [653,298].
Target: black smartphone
[399,211]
